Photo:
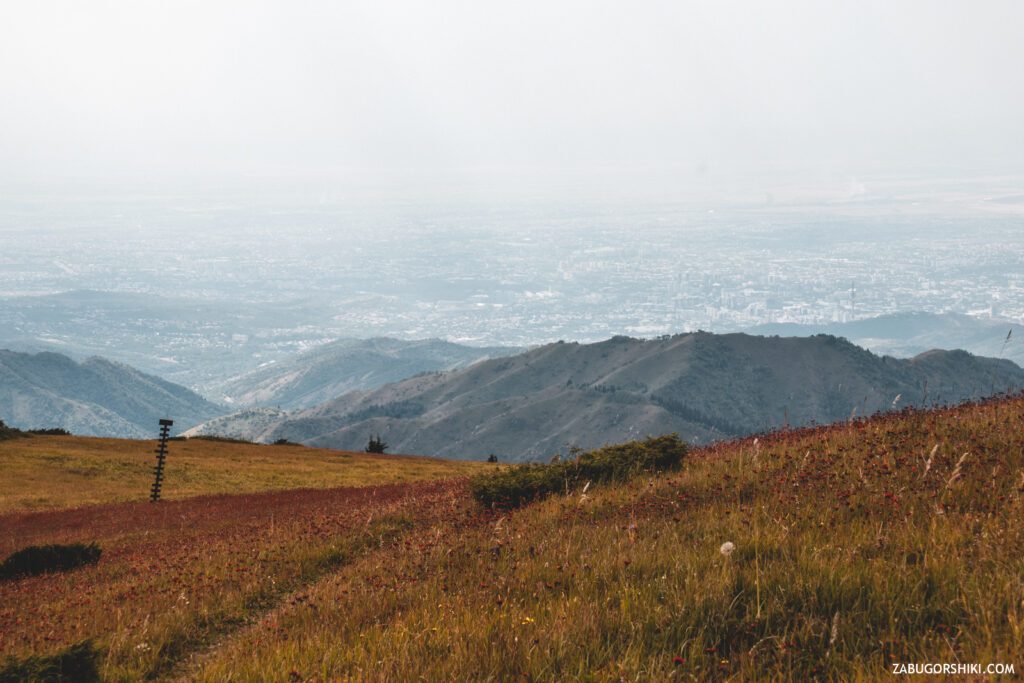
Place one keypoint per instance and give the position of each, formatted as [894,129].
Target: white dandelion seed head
[727,548]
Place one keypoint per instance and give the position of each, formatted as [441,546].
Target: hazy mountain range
[703,386]
[194,342]
[231,350]
[333,369]
[907,334]
[531,404]
[95,397]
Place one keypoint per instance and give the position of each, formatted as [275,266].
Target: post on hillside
[161,455]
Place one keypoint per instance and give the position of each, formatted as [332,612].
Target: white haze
[294,90]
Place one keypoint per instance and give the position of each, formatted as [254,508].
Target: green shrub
[41,559]
[521,484]
[49,431]
[376,445]
[77,663]
[10,432]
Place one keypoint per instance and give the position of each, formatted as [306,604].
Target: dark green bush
[9,432]
[49,431]
[41,559]
[78,664]
[521,484]
[376,445]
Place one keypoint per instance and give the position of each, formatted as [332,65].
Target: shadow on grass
[43,559]
[77,663]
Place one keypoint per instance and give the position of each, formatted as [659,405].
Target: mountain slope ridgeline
[333,369]
[703,386]
[96,397]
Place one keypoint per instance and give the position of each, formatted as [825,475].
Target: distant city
[210,288]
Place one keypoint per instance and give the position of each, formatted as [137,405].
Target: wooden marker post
[161,456]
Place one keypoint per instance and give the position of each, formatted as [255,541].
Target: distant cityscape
[239,284]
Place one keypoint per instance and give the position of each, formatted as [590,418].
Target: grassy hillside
[45,472]
[896,539]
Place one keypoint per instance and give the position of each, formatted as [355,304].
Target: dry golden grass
[50,472]
[851,554]
[855,546]
[174,577]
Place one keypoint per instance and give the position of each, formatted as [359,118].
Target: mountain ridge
[348,364]
[704,386]
[909,334]
[94,397]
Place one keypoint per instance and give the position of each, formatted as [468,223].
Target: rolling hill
[703,386]
[332,369]
[95,397]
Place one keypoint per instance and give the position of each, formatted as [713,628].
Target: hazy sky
[262,88]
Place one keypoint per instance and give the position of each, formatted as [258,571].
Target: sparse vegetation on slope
[520,484]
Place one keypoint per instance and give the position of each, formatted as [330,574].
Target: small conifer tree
[376,445]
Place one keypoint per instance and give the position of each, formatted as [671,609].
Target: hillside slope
[333,369]
[48,472]
[853,547]
[703,386]
[95,397]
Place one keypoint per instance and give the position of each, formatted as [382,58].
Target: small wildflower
[727,548]
[678,661]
